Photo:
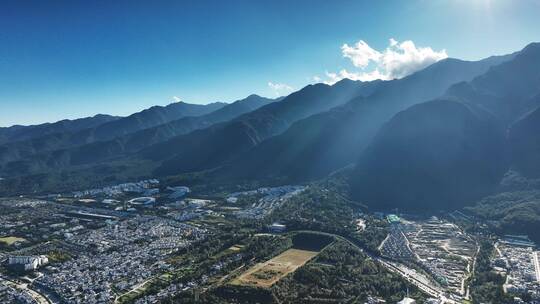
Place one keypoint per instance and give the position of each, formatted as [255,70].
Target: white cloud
[332,78]
[405,58]
[396,61]
[176,98]
[360,54]
[280,89]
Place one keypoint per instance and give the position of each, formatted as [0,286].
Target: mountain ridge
[102,150]
[17,150]
[252,128]
[303,154]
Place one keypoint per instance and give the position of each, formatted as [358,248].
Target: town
[138,243]
[98,245]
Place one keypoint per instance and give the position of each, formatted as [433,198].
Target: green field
[10,240]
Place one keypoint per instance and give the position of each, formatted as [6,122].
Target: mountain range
[450,153]
[320,144]
[25,142]
[440,138]
[22,133]
[122,135]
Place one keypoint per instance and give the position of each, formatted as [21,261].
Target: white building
[29,262]
[144,201]
[276,227]
[407,301]
[178,192]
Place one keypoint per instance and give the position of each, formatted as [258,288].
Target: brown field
[267,273]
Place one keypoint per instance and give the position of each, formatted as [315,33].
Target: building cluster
[144,187]
[188,209]
[396,245]
[439,247]
[175,288]
[187,215]
[12,295]
[178,192]
[38,222]
[445,251]
[110,253]
[118,257]
[272,198]
[519,262]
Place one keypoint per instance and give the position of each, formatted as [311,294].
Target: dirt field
[267,273]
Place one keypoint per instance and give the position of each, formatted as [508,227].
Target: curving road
[37,296]
[408,274]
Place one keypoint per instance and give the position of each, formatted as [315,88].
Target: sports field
[267,273]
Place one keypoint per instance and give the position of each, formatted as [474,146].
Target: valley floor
[270,245]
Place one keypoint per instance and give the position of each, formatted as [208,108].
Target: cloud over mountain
[280,89]
[398,60]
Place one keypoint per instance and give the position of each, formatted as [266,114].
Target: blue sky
[68,59]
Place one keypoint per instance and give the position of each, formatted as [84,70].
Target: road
[536,265]
[134,289]
[38,297]
[415,278]
[470,268]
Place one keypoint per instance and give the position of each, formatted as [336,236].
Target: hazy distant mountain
[322,143]
[435,155]
[147,137]
[148,118]
[102,150]
[134,142]
[21,133]
[67,134]
[507,90]
[211,147]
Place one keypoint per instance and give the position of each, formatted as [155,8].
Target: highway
[411,275]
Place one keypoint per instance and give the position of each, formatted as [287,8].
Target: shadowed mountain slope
[322,143]
[439,155]
[524,143]
[435,155]
[211,147]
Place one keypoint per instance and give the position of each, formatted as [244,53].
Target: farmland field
[267,273]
